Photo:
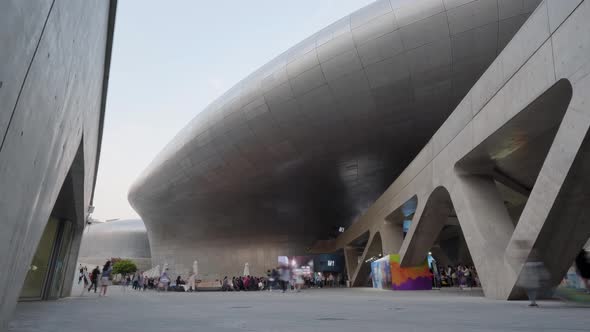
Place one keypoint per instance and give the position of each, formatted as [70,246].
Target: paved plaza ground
[312,310]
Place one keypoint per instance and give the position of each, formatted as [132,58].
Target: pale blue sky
[171,59]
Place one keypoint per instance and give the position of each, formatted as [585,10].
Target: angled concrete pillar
[351,261]
[391,237]
[484,221]
[555,223]
[427,224]
[487,228]
[374,247]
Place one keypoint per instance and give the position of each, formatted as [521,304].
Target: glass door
[34,284]
[62,249]
[46,275]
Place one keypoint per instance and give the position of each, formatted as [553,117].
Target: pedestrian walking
[136,280]
[80,274]
[85,277]
[583,267]
[534,277]
[94,278]
[105,278]
[192,282]
[164,281]
[298,281]
[285,277]
[140,281]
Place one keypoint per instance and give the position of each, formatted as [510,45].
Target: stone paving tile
[312,310]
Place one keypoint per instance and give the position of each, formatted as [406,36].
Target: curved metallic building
[309,141]
[121,239]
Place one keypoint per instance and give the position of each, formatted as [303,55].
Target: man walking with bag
[94,279]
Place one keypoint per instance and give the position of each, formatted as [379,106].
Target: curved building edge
[160,194]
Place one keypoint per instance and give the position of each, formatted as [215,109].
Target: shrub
[124,267]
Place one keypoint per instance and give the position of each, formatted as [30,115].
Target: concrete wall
[52,90]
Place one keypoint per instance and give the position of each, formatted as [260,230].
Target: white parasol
[196,267]
[246,269]
[154,272]
[157,272]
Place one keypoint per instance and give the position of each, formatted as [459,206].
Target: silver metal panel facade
[310,140]
[120,239]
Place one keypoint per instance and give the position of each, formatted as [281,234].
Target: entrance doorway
[51,271]
[45,278]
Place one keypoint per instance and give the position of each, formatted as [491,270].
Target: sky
[171,59]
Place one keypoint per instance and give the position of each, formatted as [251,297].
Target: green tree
[124,267]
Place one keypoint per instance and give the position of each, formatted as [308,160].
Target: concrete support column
[391,237]
[555,224]
[351,261]
[425,229]
[463,255]
[361,274]
[487,228]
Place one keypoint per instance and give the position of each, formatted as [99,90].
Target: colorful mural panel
[409,278]
[381,273]
[388,274]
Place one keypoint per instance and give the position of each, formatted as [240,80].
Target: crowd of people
[245,283]
[102,278]
[282,278]
[96,277]
[462,276]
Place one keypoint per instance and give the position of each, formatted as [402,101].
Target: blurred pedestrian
[272,281]
[534,277]
[105,278]
[192,282]
[85,278]
[583,267]
[225,284]
[94,278]
[164,281]
[135,282]
[285,277]
[80,274]
[298,281]
[140,280]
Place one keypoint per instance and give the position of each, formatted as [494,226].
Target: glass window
[57,280]
[35,279]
